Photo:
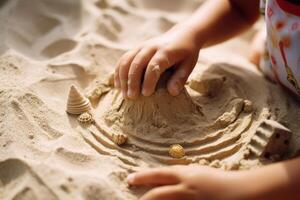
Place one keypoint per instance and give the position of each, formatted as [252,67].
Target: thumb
[158,176]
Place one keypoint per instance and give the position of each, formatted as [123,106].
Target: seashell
[203,162]
[215,164]
[176,151]
[119,139]
[248,106]
[77,103]
[85,118]
[232,166]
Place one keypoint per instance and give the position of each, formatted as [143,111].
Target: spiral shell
[176,151]
[85,118]
[119,139]
[77,103]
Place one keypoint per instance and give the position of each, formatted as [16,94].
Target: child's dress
[283,43]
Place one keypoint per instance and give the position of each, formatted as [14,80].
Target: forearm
[219,20]
[274,182]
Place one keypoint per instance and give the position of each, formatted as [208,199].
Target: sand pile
[48,45]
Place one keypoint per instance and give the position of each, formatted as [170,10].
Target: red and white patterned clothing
[283,43]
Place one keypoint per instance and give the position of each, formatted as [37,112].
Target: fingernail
[124,94]
[145,92]
[117,84]
[156,70]
[175,88]
[131,93]
[130,178]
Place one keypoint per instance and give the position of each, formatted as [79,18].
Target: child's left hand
[187,182]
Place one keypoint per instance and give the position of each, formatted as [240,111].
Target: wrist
[242,185]
[265,183]
[191,31]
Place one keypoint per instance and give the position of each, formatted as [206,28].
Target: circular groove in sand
[95,144]
[139,141]
[214,148]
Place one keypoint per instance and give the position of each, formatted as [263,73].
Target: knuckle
[161,60]
[125,56]
[166,50]
[151,47]
[156,61]
[133,75]
[124,62]
[155,70]
[125,59]
[123,80]
[136,63]
[123,76]
[164,174]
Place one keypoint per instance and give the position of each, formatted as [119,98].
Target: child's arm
[274,182]
[215,21]
[219,20]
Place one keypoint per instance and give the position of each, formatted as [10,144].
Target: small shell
[215,164]
[248,106]
[232,166]
[85,118]
[77,103]
[119,139]
[176,151]
[203,162]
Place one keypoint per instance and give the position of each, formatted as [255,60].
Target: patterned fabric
[262,6]
[283,43]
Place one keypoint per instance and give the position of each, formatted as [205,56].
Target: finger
[170,192]
[116,77]
[159,176]
[136,71]
[159,63]
[123,69]
[178,79]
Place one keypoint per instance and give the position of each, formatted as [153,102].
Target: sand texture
[46,46]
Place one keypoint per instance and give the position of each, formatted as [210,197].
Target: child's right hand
[190,182]
[139,70]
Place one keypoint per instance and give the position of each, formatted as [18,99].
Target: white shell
[85,118]
[77,103]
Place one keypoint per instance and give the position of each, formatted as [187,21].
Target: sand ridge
[48,45]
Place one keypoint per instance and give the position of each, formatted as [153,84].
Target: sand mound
[158,116]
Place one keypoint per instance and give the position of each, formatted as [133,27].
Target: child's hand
[139,70]
[187,182]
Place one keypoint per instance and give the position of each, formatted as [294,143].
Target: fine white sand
[48,45]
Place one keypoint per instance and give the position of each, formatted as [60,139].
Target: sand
[45,153]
